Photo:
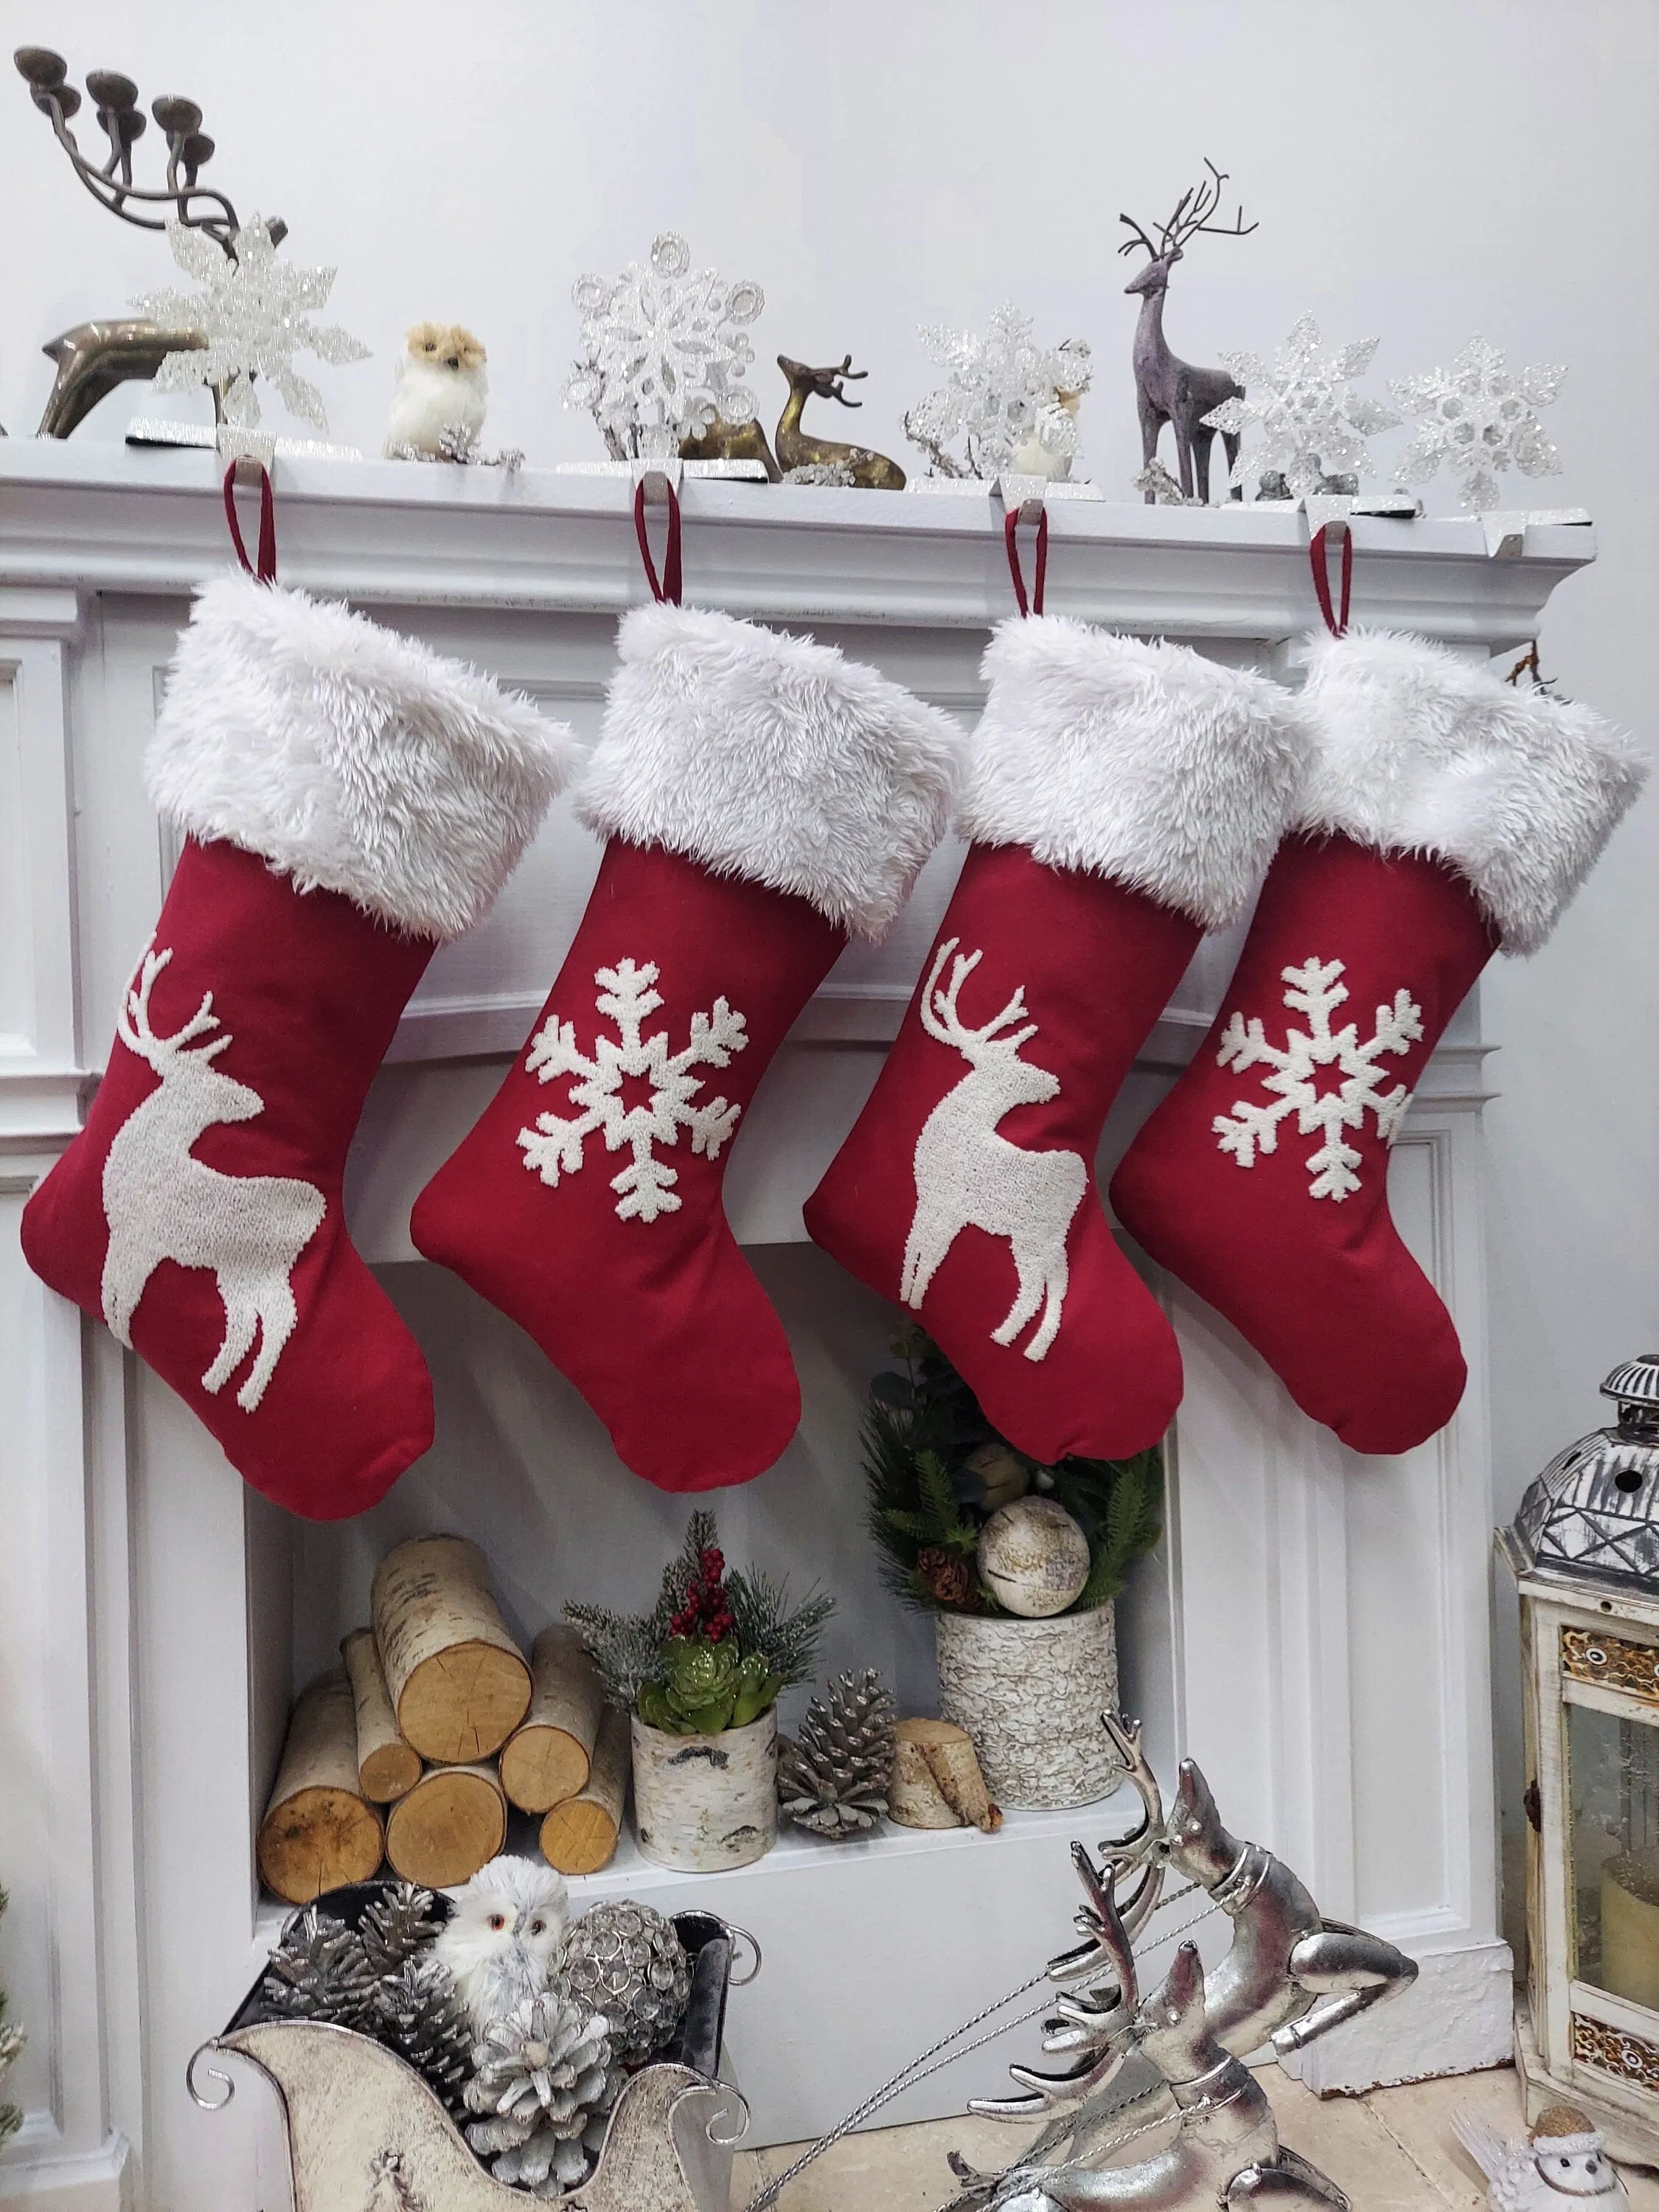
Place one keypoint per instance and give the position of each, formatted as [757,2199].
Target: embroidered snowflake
[645,1189]
[663,351]
[1312,426]
[253,312]
[1005,393]
[1480,420]
[1313,990]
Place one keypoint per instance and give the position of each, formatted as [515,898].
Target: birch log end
[387,1766]
[547,1758]
[318,1833]
[579,1836]
[936,1782]
[451,1823]
[458,1682]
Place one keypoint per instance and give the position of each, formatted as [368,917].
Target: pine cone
[401,1921]
[834,1776]
[627,1962]
[419,2014]
[318,1972]
[544,2082]
[947,1574]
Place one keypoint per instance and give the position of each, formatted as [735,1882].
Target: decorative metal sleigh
[366,2133]
[1137,2065]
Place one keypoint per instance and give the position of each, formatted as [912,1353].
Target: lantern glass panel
[1612,1764]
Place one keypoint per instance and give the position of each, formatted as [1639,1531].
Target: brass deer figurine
[1171,389]
[843,464]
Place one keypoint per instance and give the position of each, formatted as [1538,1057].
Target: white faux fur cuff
[1146,763]
[353,760]
[771,757]
[1417,749]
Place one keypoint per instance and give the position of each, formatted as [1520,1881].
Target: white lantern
[1585,1551]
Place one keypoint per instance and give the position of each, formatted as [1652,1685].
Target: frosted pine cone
[318,1972]
[420,2015]
[834,1778]
[627,1962]
[544,2080]
[400,1922]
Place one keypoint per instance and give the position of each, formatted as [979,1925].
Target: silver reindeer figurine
[1170,389]
[1224,2150]
[1289,1976]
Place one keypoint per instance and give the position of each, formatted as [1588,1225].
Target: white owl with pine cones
[503,1936]
[438,408]
[1561,2164]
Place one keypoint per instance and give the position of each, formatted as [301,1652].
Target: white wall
[1423,168]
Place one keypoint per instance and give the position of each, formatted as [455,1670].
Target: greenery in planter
[937,1470]
[716,1649]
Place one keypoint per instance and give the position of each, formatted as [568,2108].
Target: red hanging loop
[1010,528]
[266,571]
[1337,624]
[668,588]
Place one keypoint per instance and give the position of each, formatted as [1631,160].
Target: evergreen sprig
[928,1448]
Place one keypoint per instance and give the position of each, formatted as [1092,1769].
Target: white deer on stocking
[162,1203]
[968,1177]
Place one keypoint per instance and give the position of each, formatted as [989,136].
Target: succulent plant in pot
[700,1676]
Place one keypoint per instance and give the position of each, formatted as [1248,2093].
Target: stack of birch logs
[413,1750]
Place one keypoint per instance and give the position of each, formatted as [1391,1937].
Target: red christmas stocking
[349,801]
[1121,797]
[1446,815]
[762,798]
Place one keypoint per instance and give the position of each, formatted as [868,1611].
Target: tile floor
[1392,2151]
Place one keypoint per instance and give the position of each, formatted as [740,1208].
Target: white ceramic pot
[702,1802]
[1030,1694]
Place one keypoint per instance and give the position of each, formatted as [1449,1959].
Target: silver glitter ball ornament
[626,1962]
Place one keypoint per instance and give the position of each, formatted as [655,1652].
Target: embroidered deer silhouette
[967,1176]
[162,1203]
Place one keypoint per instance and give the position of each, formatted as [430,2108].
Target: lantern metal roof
[1594,1508]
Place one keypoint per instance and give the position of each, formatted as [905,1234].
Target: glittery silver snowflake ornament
[663,351]
[1313,426]
[1480,418]
[1012,402]
[254,311]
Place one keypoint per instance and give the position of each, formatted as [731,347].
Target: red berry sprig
[706,1610]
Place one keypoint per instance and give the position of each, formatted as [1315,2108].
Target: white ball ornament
[1033,1557]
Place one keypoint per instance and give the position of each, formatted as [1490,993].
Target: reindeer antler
[132,1023]
[1190,218]
[941,1019]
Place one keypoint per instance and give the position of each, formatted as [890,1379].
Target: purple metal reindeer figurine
[1172,391]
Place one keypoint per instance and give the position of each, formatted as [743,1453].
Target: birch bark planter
[1030,1694]
[703,1803]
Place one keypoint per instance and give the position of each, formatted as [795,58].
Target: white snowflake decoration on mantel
[663,351]
[1480,418]
[555,1147]
[1312,426]
[254,312]
[1314,990]
[1005,393]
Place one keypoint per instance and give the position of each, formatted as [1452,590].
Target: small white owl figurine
[441,386]
[1561,2164]
[504,1936]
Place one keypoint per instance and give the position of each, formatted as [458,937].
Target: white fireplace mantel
[1314,1630]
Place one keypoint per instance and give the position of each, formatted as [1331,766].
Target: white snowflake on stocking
[645,1189]
[663,351]
[1314,990]
[1480,419]
[1312,426]
[254,311]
